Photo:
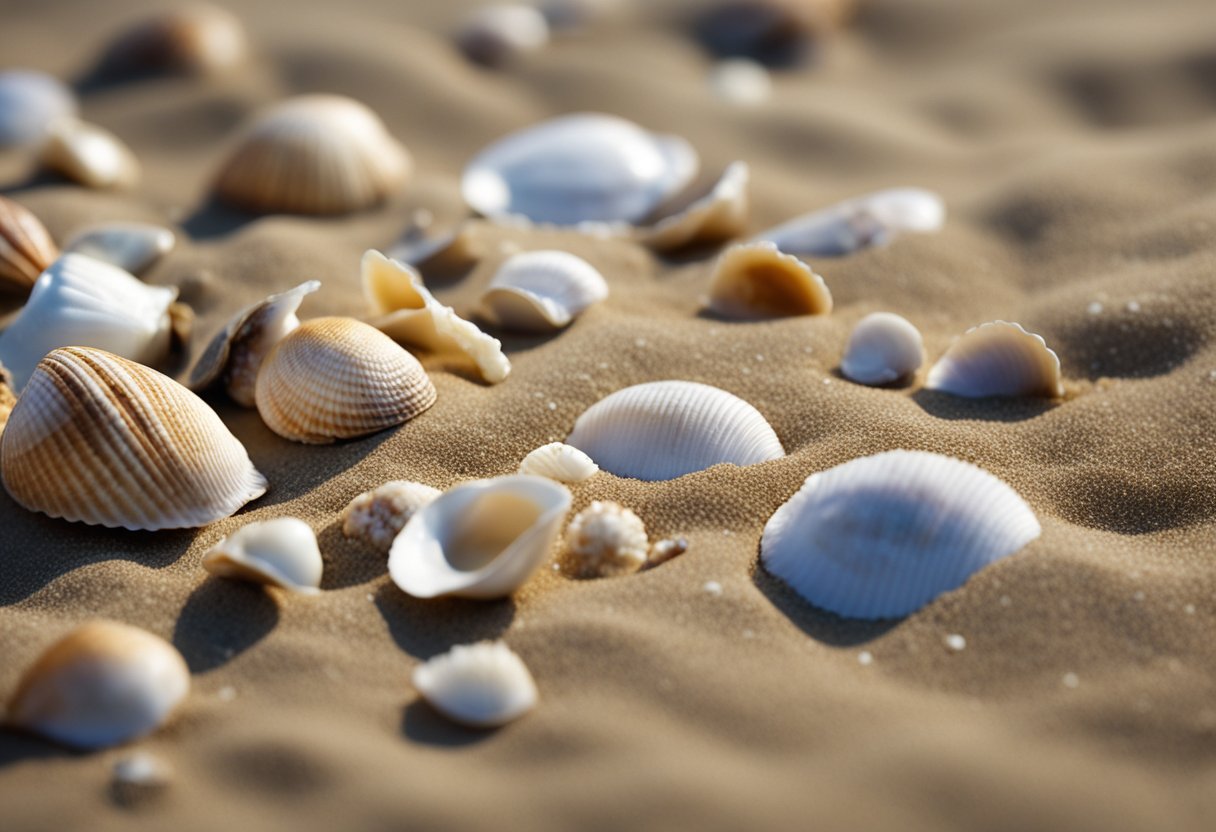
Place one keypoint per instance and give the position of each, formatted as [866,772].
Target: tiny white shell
[741,81]
[720,214]
[133,246]
[559,462]
[29,102]
[606,539]
[139,776]
[541,291]
[997,359]
[752,281]
[90,155]
[481,685]
[282,552]
[855,224]
[883,348]
[494,35]
[379,515]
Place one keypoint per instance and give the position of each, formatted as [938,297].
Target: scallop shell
[89,155]
[197,39]
[541,291]
[753,281]
[481,685]
[338,378]
[29,102]
[496,35]
[665,429]
[997,359]
[560,463]
[883,348]
[103,684]
[26,248]
[313,154]
[102,440]
[718,215]
[850,226]
[132,246]
[605,540]
[881,536]
[481,539]
[282,552]
[80,301]
[379,515]
[404,309]
[577,169]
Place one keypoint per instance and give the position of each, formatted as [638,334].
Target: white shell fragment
[481,539]
[559,462]
[753,281]
[718,215]
[881,536]
[499,34]
[483,685]
[855,224]
[423,243]
[541,291]
[997,359]
[741,81]
[665,429]
[29,102]
[379,515]
[132,246]
[90,155]
[605,540]
[282,552]
[883,348]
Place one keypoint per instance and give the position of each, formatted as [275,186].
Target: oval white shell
[132,246]
[665,429]
[541,291]
[882,348]
[481,539]
[752,281]
[997,359]
[29,102]
[855,224]
[741,81]
[379,515]
[90,155]
[604,540]
[282,552]
[481,685]
[559,462]
[493,35]
[718,215]
[881,536]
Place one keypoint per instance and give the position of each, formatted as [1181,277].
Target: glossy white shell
[541,291]
[741,81]
[559,462]
[855,224]
[132,246]
[90,155]
[379,515]
[718,215]
[29,102]
[481,685]
[282,552]
[997,359]
[604,540]
[883,348]
[753,281]
[498,34]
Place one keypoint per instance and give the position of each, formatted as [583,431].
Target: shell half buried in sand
[282,552]
[882,536]
[26,247]
[132,246]
[883,349]
[90,155]
[541,291]
[605,540]
[718,215]
[379,515]
[997,359]
[195,39]
[30,102]
[754,281]
[559,462]
[856,224]
[483,685]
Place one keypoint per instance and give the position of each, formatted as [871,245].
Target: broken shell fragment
[89,155]
[560,463]
[997,359]
[421,244]
[282,552]
[718,215]
[883,348]
[541,291]
[29,102]
[196,39]
[496,35]
[132,246]
[379,515]
[483,685]
[754,281]
[856,224]
[26,247]
[605,540]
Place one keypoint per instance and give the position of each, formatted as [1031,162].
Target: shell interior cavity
[605,540]
[481,685]
[90,155]
[541,291]
[494,35]
[559,462]
[379,515]
[718,215]
[883,348]
[132,246]
[26,247]
[282,552]
[481,539]
[752,281]
[29,102]
[665,429]
[881,536]
[855,224]
[997,359]
[197,39]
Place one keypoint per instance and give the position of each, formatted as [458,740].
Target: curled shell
[338,378]
[481,539]
[560,463]
[997,359]
[379,515]
[481,685]
[541,291]
[855,224]
[282,552]
[90,155]
[881,536]
[26,247]
[883,348]
[495,35]
[29,102]
[196,39]
[665,429]
[102,440]
[103,684]
[132,246]
[752,281]
[718,215]
[604,540]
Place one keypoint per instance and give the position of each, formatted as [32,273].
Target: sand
[1075,146]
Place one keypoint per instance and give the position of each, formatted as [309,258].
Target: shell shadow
[422,724]
[426,627]
[221,619]
[1130,345]
[348,562]
[821,625]
[17,747]
[903,383]
[946,406]
[212,219]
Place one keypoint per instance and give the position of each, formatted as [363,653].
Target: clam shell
[481,539]
[665,429]
[102,440]
[541,291]
[338,378]
[197,39]
[313,154]
[560,463]
[881,536]
[132,246]
[282,552]
[495,35]
[997,359]
[89,155]
[379,515]
[139,777]
[26,248]
[481,685]
[605,540]
[719,215]
[753,281]
[580,168]
[883,348]
[855,224]
[101,685]
[29,102]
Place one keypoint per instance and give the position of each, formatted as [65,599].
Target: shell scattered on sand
[997,359]
[883,348]
[422,243]
[856,224]
[605,540]
[719,214]
[559,462]
[135,247]
[282,552]
[8,398]
[541,291]
[501,33]
[138,777]
[741,81]
[754,281]
[89,155]
[379,515]
[194,39]
[26,247]
[483,685]
[29,102]
[777,33]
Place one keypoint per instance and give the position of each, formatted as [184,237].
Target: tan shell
[605,540]
[90,155]
[718,215]
[102,440]
[379,515]
[26,248]
[7,397]
[753,281]
[338,378]
[197,39]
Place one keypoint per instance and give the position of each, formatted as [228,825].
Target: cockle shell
[26,247]
[132,246]
[541,291]
[282,552]
[103,684]
[197,39]
[718,215]
[338,378]
[560,463]
[90,155]
[379,515]
[495,35]
[752,281]
[313,154]
[883,348]
[665,429]
[404,309]
[604,540]
[29,102]
[997,359]
[881,536]
[102,440]
[481,685]
[481,539]
[855,224]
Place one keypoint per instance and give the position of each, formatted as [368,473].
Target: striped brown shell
[26,248]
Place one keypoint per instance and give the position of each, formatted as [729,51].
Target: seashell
[778,33]
[741,81]
[560,463]
[882,349]
[605,540]
[102,684]
[481,539]
[997,359]
[406,311]
[496,35]
[753,281]
[80,301]
[582,168]
[541,291]
[379,515]
[856,224]
[139,776]
[102,440]
[665,429]
[719,215]
[421,244]
[313,154]
[281,552]
[89,155]
[481,685]
[26,248]
[666,550]
[192,40]
[132,246]
[338,378]
[8,398]
[881,536]
[237,351]
[29,102]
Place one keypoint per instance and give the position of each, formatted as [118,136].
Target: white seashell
[541,291]
[90,155]
[881,536]
[855,224]
[29,102]
[665,429]
[26,247]
[103,684]
[718,215]
[197,39]
[997,359]
[666,550]
[404,309]
[139,776]
[752,281]
[481,685]
[559,462]
[605,540]
[495,35]
[882,349]
[282,552]
[579,168]
[379,515]
[741,81]
[481,539]
[132,246]
[79,301]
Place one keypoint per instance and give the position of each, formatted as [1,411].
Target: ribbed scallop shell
[997,359]
[560,463]
[102,440]
[481,685]
[881,536]
[665,429]
[883,348]
[718,215]
[753,281]
[29,102]
[26,247]
[314,154]
[89,155]
[194,39]
[855,224]
[541,291]
[132,246]
[282,552]
[379,515]
[605,540]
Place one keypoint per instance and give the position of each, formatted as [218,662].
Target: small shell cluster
[89,155]
[559,462]
[483,685]
[541,291]
[282,552]
[605,540]
[26,247]
[753,281]
[379,515]
[29,103]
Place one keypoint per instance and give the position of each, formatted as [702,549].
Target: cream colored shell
[541,291]
[997,359]
[604,540]
[882,349]
[718,215]
[483,685]
[753,281]
[379,515]
[90,155]
[282,552]
[132,246]
[559,462]
[26,247]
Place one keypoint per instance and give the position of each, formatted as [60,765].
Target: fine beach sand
[1075,146]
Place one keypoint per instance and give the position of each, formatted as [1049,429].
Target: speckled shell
[282,552]
[883,348]
[481,685]
[881,536]
[196,39]
[720,214]
[753,281]
[89,155]
[26,247]
[560,463]
[498,34]
[541,291]
[379,515]
[29,102]
[997,359]
[132,246]
[605,540]
[856,224]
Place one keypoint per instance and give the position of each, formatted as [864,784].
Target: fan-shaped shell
[997,359]
[881,536]
[541,291]
[29,102]
[26,247]
[560,463]
[90,155]
[753,281]
[605,540]
[196,39]
[481,685]
[282,552]
[883,348]
[855,224]
[379,515]
[718,215]
[495,35]
[132,246]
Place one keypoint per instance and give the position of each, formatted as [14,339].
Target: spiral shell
[560,463]
[753,281]
[997,359]
[379,515]
[481,685]
[282,552]
[89,155]
[541,291]
[883,348]
[26,247]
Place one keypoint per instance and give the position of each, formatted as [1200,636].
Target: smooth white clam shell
[855,224]
[29,102]
[89,155]
[560,462]
[541,291]
[997,359]
[481,685]
[883,348]
[281,552]
[132,246]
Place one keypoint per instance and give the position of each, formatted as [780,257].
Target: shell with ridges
[997,359]
[752,281]
[132,246]
[883,348]
[29,102]
[90,155]
[197,39]
[718,215]
[379,515]
[541,291]
[281,552]
[604,540]
[26,247]
[559,462]
[481,685]
[8,398]
[855,224]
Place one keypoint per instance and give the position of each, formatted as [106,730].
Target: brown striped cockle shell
[98,439]
[338,378]
[26,248]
